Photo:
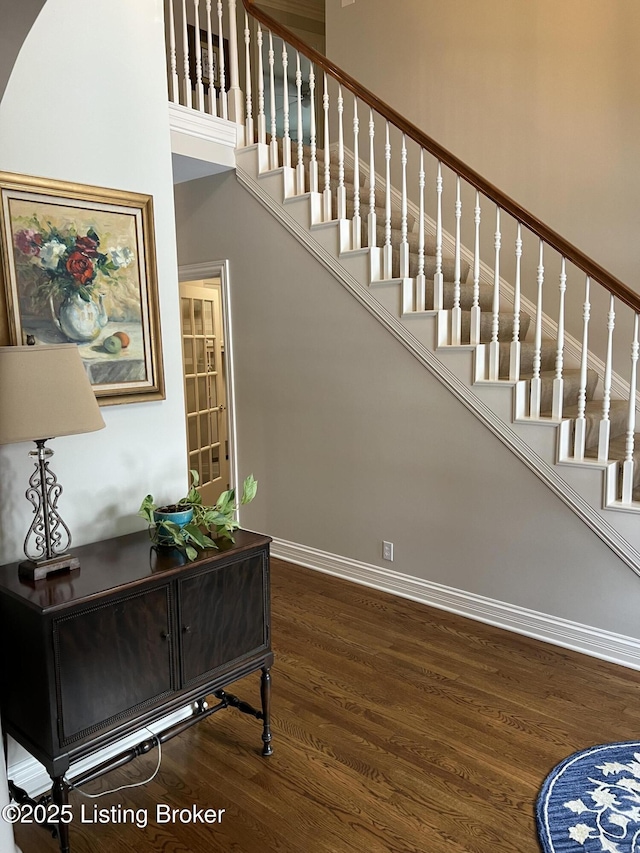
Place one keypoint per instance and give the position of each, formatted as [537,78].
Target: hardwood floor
[397,729]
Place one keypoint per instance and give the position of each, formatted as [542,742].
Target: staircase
[501,309]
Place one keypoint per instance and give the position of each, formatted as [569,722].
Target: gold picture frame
[79,265]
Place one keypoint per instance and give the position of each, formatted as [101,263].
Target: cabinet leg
[60,793]
[265,695]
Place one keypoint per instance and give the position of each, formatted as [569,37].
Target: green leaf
[198,537]
[225,502]
[191,552]
[147,508]
[194,497]
[226,534]
[249,489]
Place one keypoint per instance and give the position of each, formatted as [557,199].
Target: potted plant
[187,524]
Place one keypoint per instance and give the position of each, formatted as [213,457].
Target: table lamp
[45,393]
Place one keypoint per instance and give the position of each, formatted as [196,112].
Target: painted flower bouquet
[70,261]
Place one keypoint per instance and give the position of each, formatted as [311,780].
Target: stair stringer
[446,365]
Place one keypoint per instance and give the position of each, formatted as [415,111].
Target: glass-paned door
[204,385]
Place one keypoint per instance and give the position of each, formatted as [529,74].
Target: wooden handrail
[620,290]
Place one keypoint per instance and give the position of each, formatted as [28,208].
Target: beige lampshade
[44,393]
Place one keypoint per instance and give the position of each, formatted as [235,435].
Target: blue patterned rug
[590,802]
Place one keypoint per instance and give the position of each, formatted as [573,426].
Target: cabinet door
[223,616]
[112,659]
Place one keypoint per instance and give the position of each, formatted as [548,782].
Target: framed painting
[78,265]
[204,54]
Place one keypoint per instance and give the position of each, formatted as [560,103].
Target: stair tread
[570,392]
[619,408]
[617,453]
[593,418]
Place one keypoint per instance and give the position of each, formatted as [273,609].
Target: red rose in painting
[80,267]
[28,241]
[87,246]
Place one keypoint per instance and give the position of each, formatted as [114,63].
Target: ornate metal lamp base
[37,570]
[48,538]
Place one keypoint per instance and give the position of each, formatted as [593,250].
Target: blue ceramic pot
[179,517]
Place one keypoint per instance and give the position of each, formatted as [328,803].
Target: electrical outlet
[348,2]
[387,551]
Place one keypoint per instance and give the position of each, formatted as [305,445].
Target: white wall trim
[29,774]
[211,269]
[202,126]
[546,472]
[595,642]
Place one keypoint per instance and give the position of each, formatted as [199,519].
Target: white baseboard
[29,774]
[595,642]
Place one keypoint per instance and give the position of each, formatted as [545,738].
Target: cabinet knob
[186,629]
[165,635]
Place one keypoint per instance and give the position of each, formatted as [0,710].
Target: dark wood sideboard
[133,635]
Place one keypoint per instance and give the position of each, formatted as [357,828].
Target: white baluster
[342,192]
[372,218]
[375,252]
[628,466]
[514,355]
[494,346]
[558,382]
[456,313]
[248,124]
[213,100]
[408,295]
[438,280]
[313,165]
[262,119]
[387,255]
[186,83]
[235,92]
[581,423]
[273,142]
[198,57]
[404,243]
[326,195]
[420,278]
[536,382]
[286,139]
[474,333]
[605,423]
[356,223]
[300,166]
[175,85]
[224,104]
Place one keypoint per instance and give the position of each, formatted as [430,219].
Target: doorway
[206,371]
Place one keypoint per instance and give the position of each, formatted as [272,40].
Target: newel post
[236,108]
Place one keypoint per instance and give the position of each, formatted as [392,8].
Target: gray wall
[353,442]
[541,98]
